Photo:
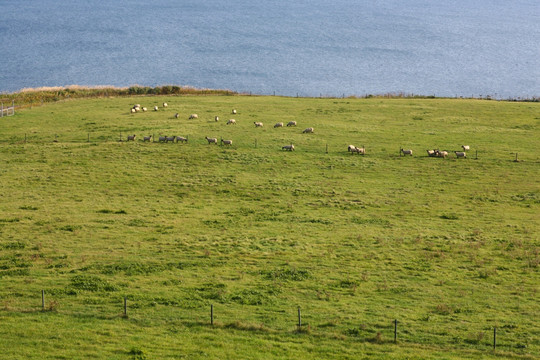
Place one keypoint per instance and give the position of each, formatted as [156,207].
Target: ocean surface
[310,48]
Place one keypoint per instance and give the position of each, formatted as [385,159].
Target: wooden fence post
[43,300]
[395,331]
[212,314]
[299,319]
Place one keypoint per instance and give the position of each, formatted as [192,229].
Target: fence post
[88,140]
[212,314]
[299,319]
[327,148]
[125,306]
[43,300]
[395,331]
[494,337]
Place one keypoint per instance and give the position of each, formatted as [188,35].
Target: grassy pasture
[448,247]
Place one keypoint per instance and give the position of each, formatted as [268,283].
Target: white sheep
[133,110]
[165,104]
[288,147]
[131,138]
[216,118]
[350,148]
[309,130]
[226,142]
[291,123]
[461,154]
[176,116]
[181,139]
[231,122]
[279,124]
[357,150]
[147,138]
[193,116]
[465,147]
[258,124]
[155,108]
[406,152]
[211,140]
[144,109]
[442,154]
[233,111]
[432,153]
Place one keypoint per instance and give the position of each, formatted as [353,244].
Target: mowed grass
[448,247]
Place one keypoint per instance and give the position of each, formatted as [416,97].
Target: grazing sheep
[162,139]
[351,147]
[133,110]
[216,118]
[193,116]
[231,122]
[357,150]
[406,152]
[226,142]
[155,108]
[176,116]
[144,109]
[465,147]
[279,124]
[233,111]
[288,147]
[147,138]
[309,130]
[258,124]
[181,139]
[170,138]
[291,123]
[442,154]
[211,140]
[131,138]
[461,154]
[136,107]
[165,104]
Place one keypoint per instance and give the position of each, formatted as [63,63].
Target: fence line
[7,111]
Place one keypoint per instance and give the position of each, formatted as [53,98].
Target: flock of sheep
[351,148]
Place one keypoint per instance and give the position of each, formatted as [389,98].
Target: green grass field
[448,247]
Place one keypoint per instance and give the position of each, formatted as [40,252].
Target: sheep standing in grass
[258,124]
[181,139]
[465,147]
[442,154]
[211,140]
[405,152]
[357,150]
[231,122]
[432,153]
[350,148]
[133,110]
[170,138]
[156,108]
[193,116]
[288,147]
[162,139]
[291,123]
[233,111]
[131,138]
[165,105]
[226,142]
[176,116]
[216,118]
[461,154]
[279,124]
[147,138]
[309,130]
[144,109]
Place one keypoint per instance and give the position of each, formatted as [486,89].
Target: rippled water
[450,48]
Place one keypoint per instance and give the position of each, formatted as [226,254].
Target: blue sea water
[305,47]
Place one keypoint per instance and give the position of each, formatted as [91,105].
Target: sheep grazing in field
[147,138]
[279,124]
[231,122]
[461,154]
[309,130]
[288,147]
[133,110]
[211,140]
[233,111]
[131,138]
[258,124]
[181,139]
[357,150]
[291,123]
[350,148]
[176,116]
[144,109]
[156,108]
[216,118]
[226,142]
[170,138]
[193,116]
[405,152]
[465,147]
[442,154]
[432,153]
[162,139]
[165,105]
